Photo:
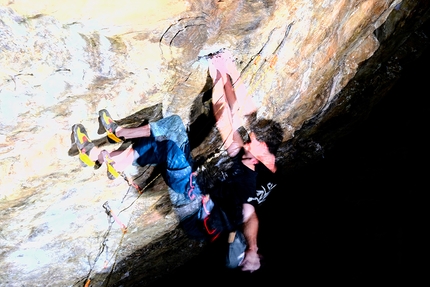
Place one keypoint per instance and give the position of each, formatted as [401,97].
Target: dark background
[351,219]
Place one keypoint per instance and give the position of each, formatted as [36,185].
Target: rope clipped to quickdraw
[111,214]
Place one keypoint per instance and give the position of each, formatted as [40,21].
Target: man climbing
[208,203]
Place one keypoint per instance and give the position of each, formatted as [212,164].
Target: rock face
[307,64]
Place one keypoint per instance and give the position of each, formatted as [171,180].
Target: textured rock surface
[61,63]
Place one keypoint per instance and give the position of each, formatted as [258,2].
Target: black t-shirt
[253,187]
[229,188]
[243,185]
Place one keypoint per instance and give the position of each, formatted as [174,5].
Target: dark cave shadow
[202,119]
[201,116]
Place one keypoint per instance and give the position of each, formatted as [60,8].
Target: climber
[208,203]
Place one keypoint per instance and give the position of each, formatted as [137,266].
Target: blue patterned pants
[168,146]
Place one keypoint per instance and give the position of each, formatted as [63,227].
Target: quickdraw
[190,191]
[110,213]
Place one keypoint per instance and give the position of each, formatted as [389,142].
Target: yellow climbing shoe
[84,144]
[109,125]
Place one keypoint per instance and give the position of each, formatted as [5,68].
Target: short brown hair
[268,131]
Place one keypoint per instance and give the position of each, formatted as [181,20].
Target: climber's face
[260,152]
[257,148]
